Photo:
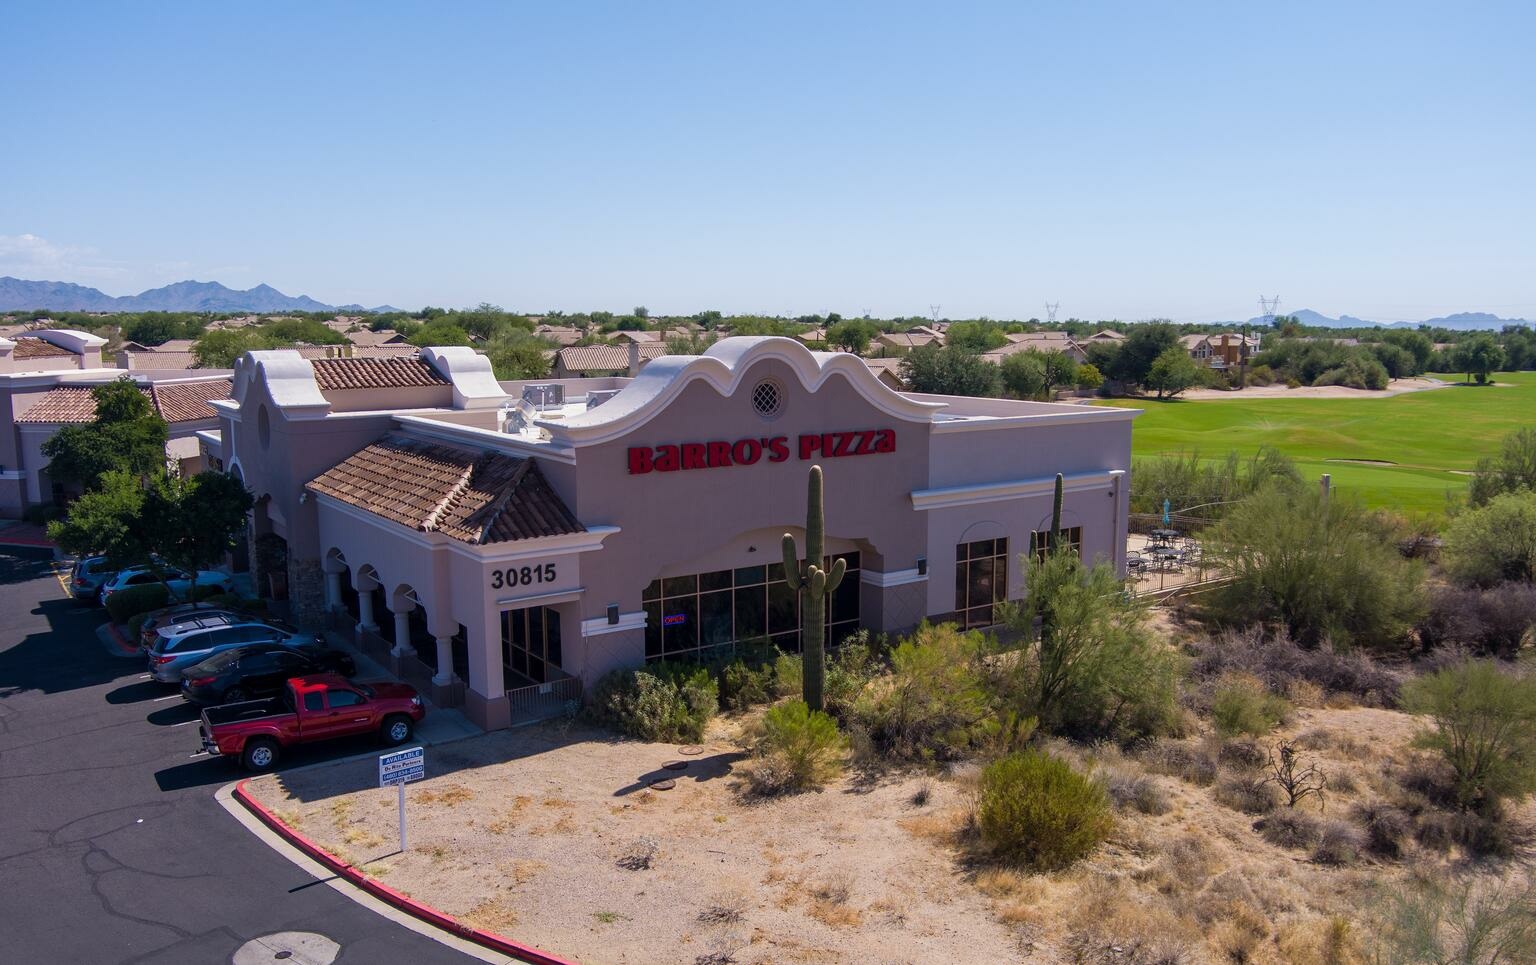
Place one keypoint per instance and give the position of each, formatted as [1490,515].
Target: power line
[1050,312]
[1267,309]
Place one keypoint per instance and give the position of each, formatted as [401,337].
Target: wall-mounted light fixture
[613,614]
[922,566]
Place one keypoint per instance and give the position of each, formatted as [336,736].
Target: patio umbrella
[1165,513]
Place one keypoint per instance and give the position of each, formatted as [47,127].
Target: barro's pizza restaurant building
[516,540]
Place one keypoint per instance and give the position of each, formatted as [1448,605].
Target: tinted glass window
[345,698]
[258,663]
[314,701]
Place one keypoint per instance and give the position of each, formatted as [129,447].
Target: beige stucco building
[520,539]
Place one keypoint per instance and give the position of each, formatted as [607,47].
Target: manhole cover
[691,750]
[297,947]
[674,765]
[666,784]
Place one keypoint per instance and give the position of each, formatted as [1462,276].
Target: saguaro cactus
[1053,535]
[813,584]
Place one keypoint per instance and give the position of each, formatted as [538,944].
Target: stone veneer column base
[452,695]
[487,713]
[306,593]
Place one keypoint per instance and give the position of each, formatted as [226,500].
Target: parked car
[179,581]
[187,612]
[86,578]
[181,645]
[258,671]
[310,709]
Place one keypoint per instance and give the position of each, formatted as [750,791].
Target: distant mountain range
[1463,321]
[18,294]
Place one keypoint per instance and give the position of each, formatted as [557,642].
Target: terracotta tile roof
[175,402]
[188,401]
[605,358]
[65,404]
[35,348]
[159,361]
[471,495]
[386,373]
[357,351]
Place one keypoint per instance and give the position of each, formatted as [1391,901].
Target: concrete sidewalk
[442,724]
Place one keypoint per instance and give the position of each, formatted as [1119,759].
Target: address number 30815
[522,576]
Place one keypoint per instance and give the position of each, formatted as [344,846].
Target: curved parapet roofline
[724,366]
[288,376]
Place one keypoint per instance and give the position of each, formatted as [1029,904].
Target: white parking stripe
[186,722]
[168,697]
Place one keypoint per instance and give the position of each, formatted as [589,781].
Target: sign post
[399,768]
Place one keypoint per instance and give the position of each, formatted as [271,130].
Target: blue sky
[1126,160]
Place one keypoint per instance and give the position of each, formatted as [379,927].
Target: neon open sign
[674,619]
[747,452]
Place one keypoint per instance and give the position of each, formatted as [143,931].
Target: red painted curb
[123,643]
[407,904]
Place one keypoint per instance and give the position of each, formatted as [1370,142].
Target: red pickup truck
[313,708]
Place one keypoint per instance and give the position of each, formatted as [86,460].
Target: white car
[180,581]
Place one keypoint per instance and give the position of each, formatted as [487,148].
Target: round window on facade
[767,398]
[263,427]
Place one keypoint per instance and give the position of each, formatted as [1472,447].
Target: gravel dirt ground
[544,834]
[1279,391]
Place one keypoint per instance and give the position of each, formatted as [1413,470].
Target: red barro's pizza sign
[746,452]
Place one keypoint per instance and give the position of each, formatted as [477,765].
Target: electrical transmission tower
[933,311]
[1267,309]
[1050,312]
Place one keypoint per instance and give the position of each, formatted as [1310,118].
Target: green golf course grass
[1428,440]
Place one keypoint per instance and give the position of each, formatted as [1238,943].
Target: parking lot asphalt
[112,847]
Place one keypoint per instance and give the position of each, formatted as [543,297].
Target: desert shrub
[1243,705]
[1338,843]
[1493,543]
[798,749]
[136,624]
[1276,659]
[850,667]
[1322,568]
[789,675]
[657,702]
[1187,762]
[133,600]
[1512,470]
[1136,791]
[1290,828]
[1261,375]
[1187,480]
[743,686]
[1490,622]
[1092,668]
[1469,919]
[1484,727]
[1246,793]
[1386,828]
[933,703]
[1034,810]
[1241,755]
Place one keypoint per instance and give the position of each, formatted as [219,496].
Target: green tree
[518,355]
[853,335]
[1060,370]
[949,371]
[307,331]
[1145,342]
[219,348]
[126,435]
[1023,374]
[975,337]
[1172,372]
[106,520]
[1416,344]
[1513,469]
[1479,357]
[1494,542]
[1322,567]
[157,328]
[440,333]
[1089,376]
[1485,727]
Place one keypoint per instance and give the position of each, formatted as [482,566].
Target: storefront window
[981,581]
[700,616]
[530,645]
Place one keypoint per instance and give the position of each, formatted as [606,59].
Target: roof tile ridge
[429,524]
[492,511]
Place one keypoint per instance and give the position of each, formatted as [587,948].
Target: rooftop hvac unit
[544,396]
[597,397]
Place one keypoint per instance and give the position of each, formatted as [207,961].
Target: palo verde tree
[814,585]
[126,436]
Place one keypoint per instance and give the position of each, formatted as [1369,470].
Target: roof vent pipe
[634,358]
